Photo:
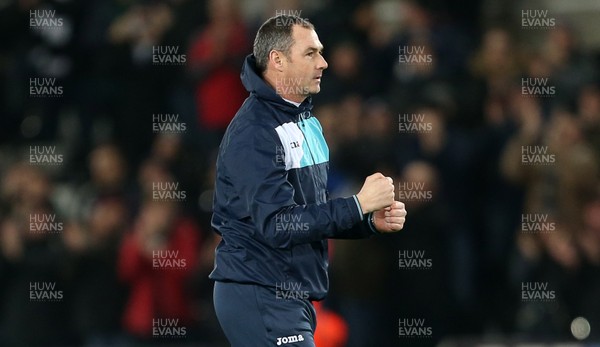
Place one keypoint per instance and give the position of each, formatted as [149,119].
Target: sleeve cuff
[360,211]
[371,224]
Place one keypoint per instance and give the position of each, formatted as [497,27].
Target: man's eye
[310,54]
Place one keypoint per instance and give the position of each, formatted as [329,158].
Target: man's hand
[376,193]
[390,219]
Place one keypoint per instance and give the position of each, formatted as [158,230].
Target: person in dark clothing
[271,204]
[35,286]
[98,297]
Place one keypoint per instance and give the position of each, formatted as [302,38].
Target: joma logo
[294,144]
[289,339]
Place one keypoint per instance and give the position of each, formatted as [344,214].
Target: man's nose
[322,64]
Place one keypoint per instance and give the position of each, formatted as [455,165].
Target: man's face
[302,71]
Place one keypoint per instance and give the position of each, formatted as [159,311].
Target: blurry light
[580,328]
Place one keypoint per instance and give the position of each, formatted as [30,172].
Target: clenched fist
[376,193]
[390,219]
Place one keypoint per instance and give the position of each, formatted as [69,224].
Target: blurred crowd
[106,225]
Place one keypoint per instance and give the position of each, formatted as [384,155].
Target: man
[271,202]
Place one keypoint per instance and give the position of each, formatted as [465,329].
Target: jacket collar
[256,85]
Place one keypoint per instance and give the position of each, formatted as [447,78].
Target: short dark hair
[276,34]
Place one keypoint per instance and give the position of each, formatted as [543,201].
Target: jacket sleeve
[261,180]
[360,230]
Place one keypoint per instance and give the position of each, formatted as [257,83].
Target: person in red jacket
[156,260]
[215,56]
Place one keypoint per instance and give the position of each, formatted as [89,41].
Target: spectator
[345,76]
[570,69]
[156,260]
[107,178]
[98,296]
[215,57]
[588,105]
[557,182]
[35,284]
[428,233]
[496,62]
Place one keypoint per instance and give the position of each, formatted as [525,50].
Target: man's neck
[280,88]
[297,104]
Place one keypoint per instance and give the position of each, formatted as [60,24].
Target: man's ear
[276,60]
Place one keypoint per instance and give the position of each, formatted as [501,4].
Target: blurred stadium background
[486,113]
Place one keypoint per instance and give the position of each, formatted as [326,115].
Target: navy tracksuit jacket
[271,203]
